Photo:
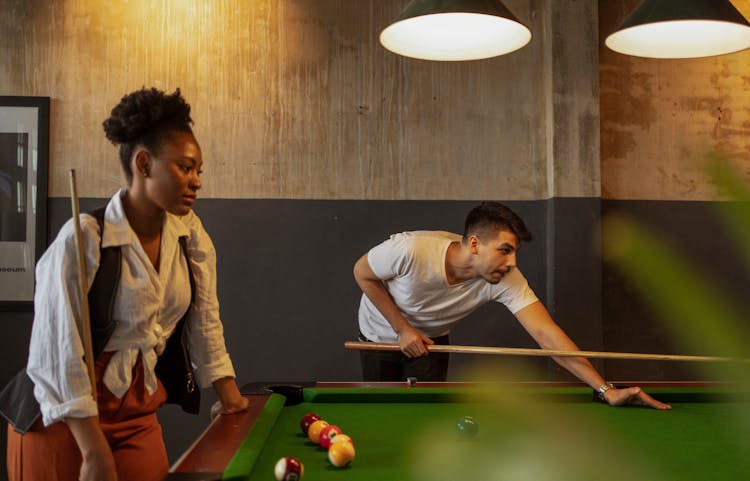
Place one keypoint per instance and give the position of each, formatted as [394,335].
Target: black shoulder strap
[174,369]
[183,245]
[17,402]
[103,290]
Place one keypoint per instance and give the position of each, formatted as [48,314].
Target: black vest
[17,402]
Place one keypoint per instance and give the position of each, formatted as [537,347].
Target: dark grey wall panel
[289,300]
[695,230]
[288,296]
[573,273]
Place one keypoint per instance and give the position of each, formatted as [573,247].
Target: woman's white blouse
[148,305]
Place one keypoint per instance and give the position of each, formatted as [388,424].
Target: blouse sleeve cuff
[82,407]
[209,373]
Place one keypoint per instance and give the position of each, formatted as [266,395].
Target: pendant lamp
[455,30]
[681,29]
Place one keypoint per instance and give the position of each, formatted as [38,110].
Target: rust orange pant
[129,424]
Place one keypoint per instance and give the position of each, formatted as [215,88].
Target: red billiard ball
[288,469]
[327,434]
[307,420]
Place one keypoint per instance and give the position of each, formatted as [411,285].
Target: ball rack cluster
[340,447]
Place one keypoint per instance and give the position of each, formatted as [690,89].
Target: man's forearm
[411,341]
[537,321]
[581,368]
[378,295]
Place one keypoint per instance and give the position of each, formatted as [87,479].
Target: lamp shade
[681,29]
[455,30]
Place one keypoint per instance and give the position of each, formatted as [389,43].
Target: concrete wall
[660,117]
[297,99]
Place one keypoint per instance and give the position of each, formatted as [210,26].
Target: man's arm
[539,324]
[410,340]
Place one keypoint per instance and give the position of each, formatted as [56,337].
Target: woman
[118,437]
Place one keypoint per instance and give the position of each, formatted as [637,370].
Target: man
[417,285]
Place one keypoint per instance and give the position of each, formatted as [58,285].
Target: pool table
[526,431]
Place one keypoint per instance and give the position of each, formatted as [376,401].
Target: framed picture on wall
[24,153]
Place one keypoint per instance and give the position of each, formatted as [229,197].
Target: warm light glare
[681,39]
[455,36]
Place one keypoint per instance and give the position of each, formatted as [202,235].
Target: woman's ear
[142,162]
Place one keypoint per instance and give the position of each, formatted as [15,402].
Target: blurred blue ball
[467,427]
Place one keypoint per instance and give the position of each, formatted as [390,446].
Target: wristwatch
[604,388]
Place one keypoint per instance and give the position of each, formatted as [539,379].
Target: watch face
[603,389]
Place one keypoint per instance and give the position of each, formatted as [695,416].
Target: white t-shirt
[412,266]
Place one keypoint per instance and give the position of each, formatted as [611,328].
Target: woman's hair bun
[144,112]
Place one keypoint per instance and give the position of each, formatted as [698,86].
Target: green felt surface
[700,439]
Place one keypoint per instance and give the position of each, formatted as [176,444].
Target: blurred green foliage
[541,442]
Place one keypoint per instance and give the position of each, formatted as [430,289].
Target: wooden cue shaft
[517,351]
[83,321]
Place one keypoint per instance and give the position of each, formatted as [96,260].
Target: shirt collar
[117,230]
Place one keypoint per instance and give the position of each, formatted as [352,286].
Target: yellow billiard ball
[313,432]
[340,454]
[342,438]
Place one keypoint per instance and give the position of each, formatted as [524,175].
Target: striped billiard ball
[288,469]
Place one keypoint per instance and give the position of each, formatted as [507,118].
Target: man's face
[494,258]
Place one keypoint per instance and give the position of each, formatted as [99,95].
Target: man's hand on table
[633,396]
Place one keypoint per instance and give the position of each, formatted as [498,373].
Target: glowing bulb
[681,39]
[455,36]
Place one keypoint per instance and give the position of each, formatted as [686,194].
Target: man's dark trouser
[395,366]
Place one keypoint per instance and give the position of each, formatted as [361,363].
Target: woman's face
[174,174]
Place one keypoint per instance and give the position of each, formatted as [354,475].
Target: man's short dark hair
[489,218]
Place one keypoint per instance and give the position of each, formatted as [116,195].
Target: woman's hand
[99,467]
[230,400]
[218,407]
[98,463]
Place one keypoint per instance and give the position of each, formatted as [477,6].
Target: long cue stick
[518,351]
[83,321]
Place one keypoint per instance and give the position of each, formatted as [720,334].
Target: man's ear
[473,243]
